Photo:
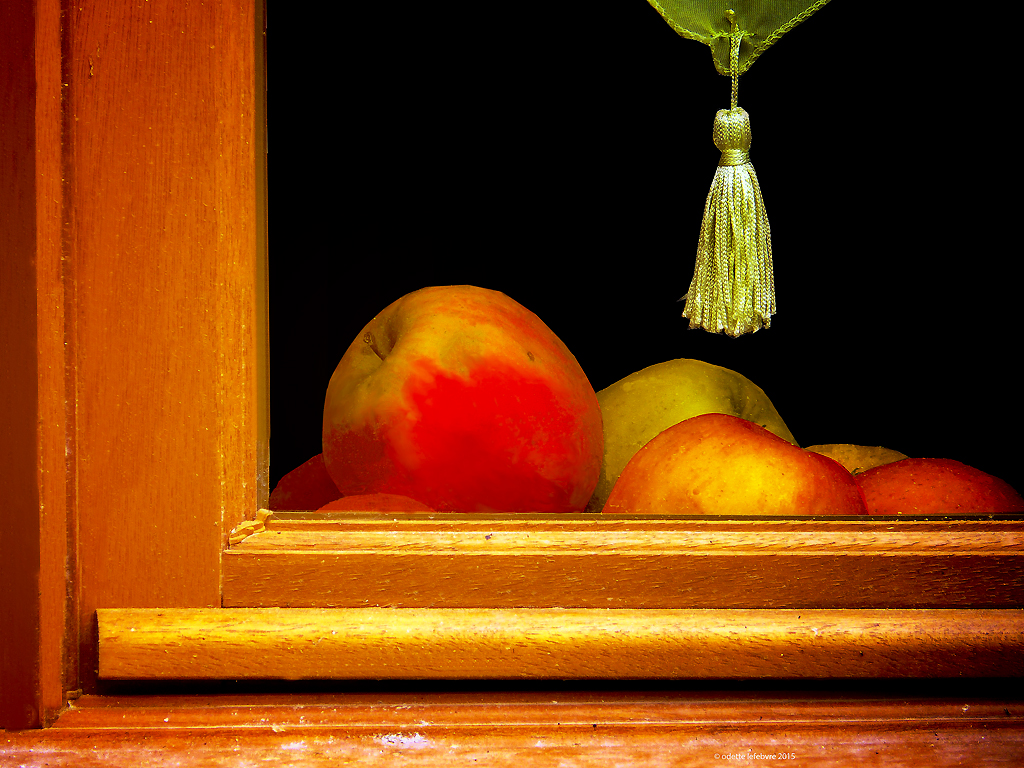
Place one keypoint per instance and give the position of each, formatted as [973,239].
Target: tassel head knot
[733,286]
[732,135]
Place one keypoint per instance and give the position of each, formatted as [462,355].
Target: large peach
[461,398]
[718,464]
[936,487]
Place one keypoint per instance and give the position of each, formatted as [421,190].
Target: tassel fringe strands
[733,286]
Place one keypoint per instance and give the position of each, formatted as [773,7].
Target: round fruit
[375,502]
[936,487]
[717,464]
[308,486]
[648,402]
[463,399]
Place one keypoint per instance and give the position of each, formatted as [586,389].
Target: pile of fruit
[459,399]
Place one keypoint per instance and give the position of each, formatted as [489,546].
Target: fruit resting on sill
[719,464]
[308,486]
[460,399]
[375,502]
[936,487]
[642,405]
[906,487]
[463,399]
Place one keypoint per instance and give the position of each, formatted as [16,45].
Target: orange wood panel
[162,237]
[261,267]
[33,537]
[423,560]
[541,727]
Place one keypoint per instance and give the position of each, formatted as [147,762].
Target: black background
[561,153]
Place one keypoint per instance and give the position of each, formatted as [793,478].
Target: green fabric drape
[761,23]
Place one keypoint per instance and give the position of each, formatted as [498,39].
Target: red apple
[308,486]
[718,464]
[936,487]
[463,399]
[375,502]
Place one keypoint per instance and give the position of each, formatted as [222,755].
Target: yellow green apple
[462,399]
[717,464]
[647,402]
[858,458]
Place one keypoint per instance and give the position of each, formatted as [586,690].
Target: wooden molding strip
[447,643]
[931,724]
[595,561]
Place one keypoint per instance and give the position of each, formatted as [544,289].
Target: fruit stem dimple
[368,338]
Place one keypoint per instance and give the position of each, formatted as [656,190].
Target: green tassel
[733,286]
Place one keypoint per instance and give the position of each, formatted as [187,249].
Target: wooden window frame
[134,315]
[447,596]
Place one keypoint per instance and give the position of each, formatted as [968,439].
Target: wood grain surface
[33,539]
[557,643]
[423,560]
[161,251]
[892,727]
[132,292]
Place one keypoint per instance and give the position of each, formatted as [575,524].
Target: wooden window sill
[422,596]
[353,560]
[947,726]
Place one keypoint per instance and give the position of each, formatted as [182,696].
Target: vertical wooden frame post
[132,320]
[33,530]
[161,151]
[261,265]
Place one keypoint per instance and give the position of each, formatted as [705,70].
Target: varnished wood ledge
[444,643]
[556,725]
[353,560]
